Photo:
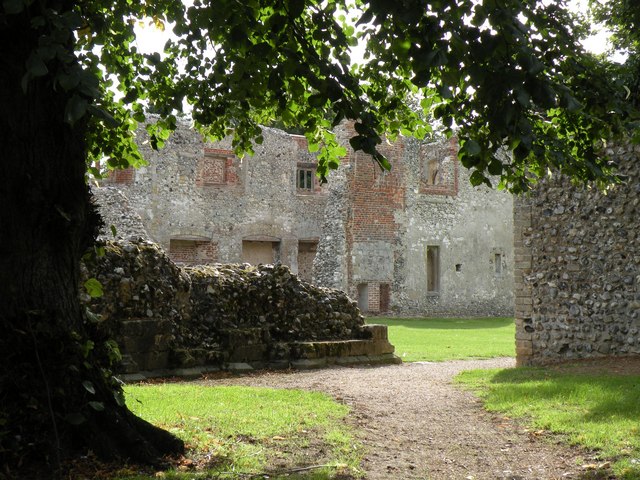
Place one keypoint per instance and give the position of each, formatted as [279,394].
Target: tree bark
[57,396]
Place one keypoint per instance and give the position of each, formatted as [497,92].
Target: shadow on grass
[443,323]
[606,397]
[597,411]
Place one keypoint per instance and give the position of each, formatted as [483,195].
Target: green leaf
[478,178]
[317,100]
[296,7]
[356,142]
[97,406]
[68,81]
[382,161]
[88,386]
[400,46]
[532,64]
[523,97]
[25,82]
[37,22]
[471,147]
[92,317]
[495,167]
[114,231]
[75,419]
[93,288]
[36,66]
[75,109]
[103,115]
[570,103]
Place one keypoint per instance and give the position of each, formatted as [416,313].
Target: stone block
[377,332]
[522,335]
[239,367]
[524,348]
[248,353]
[309,363]
[152,360]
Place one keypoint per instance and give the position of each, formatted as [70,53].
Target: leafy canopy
[504,73]
[622,19]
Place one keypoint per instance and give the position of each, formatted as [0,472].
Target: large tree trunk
[57,397]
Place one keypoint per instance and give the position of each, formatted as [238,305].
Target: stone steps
[375,350]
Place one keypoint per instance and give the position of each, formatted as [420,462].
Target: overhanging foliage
[501,73]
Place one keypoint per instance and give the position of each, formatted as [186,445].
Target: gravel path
[416,425]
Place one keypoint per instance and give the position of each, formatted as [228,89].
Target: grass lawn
[439,339]
[595,410]
[232,431]
[236,431]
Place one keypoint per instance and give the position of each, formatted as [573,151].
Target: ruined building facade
[416,240]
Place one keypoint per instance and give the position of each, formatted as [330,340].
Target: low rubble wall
[186,321]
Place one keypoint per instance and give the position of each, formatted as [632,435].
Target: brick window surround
[193,252]
[439,173]
[121,176]
[216,168]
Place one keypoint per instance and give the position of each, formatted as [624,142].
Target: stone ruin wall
[374,246]
[172,320]
[121,222]
[203,204]
[578,268]
[371,229]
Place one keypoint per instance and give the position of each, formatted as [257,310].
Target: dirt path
[416,425]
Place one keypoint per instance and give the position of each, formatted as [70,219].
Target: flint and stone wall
[203,204]
[417,240]
[578,268]
[121,222]
[375,243]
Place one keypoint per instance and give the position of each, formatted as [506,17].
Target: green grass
[248,430]
[440,339]
[600,412]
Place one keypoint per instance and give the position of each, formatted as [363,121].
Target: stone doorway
[363,297]
[306,253]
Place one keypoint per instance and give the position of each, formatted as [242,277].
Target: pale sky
[597,43]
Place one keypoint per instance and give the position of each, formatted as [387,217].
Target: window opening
[498,263]
[433,268]
[385,297]
[214,169]
[305,179]
[433,172]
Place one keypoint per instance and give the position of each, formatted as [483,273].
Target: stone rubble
[116,212]
[164,316]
